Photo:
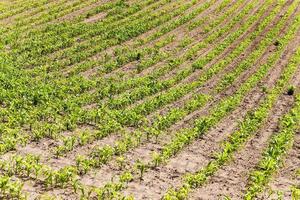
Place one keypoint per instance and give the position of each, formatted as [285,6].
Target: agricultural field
[150,99]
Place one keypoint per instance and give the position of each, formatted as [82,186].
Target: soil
[232,178]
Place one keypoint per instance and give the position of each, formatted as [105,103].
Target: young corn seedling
[121,162]
[141,167]
[82,164]
[156,159]
[126,177]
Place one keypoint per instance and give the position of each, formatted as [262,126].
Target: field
[150,99]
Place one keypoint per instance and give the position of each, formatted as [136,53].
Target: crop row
[46,132]
[72,138]
[131,115]
[157,160]
[278,146]
[25,6]
[251,123]
[10,189]
[140,93]
[110,87]
[67,111]
[81,51]
[91,35]
[50,12]
[130,54]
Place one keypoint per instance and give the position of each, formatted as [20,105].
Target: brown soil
[232,178]
[95,18]
[105,170]
[190,159]
[193,76]
[158,65]
[131,43]
[107,50]
[197,36]
[76,13]
[85,149]
[198,153]
[280,185]
[29,11]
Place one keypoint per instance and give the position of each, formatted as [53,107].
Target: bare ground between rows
[11,19]
[176,163]
[71,157]
[176,126]
[127,68]
[281,183]
[180,32]
[197,35]
[155,66]
[59,51]
[193,77]
[34,148]
[83,148]
[72,15]
[144,152]
[231,180]
[215,80]
[101,176]
[211,83]
[208,88]
[36,192]
[110,49]
[157,181]
[274,73]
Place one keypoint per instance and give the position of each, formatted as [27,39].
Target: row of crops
[99,99]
